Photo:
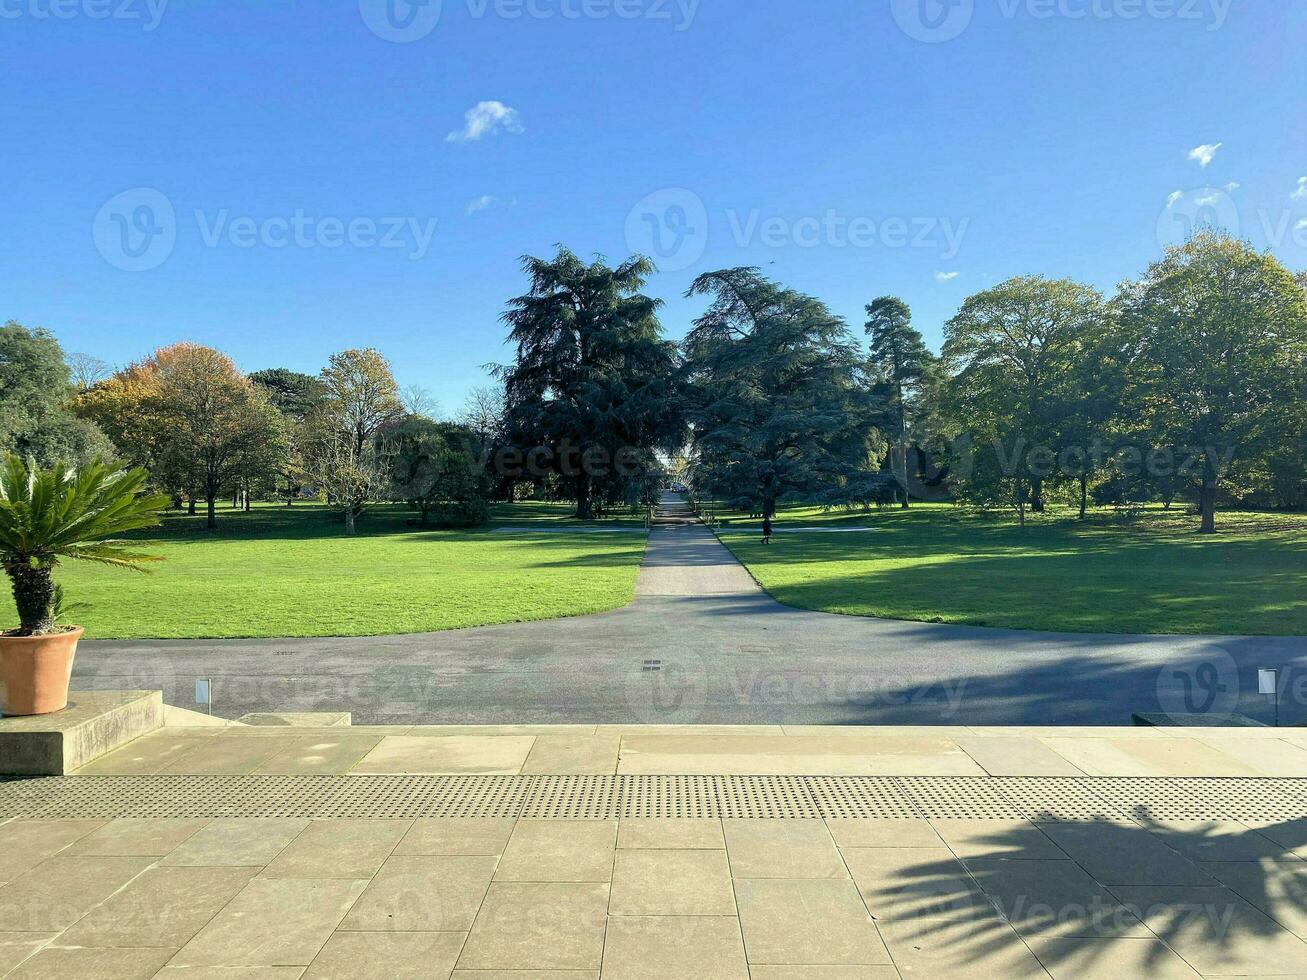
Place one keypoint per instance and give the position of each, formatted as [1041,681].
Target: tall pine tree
[900,361]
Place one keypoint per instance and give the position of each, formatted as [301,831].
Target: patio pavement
[880,853]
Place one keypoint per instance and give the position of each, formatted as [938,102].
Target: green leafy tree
[899,360]
[594,381]
[1016,357]
[776,407]
[56,513]
[434,467]
[1221,337]
[36,391]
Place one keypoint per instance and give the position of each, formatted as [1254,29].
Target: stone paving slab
[686,750]
[828,900]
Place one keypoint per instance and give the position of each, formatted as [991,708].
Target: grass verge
[289,572]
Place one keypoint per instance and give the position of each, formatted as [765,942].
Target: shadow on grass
[1105,583]
[311,521]
[1095,896]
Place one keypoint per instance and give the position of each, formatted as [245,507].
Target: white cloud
[1174,198]
[1205,154]
[1302,225]
[1233,186]
[486,119]
[1208,198]
[946,276]
[487,201]
[1301,192]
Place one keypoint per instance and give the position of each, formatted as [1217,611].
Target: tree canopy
[1220,334]
[36,390]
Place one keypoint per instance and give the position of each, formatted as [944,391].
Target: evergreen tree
[594,380]
[776,407]
[898,359]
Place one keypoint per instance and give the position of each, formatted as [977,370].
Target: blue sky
[823,140]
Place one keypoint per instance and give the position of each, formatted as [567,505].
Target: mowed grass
[287,572]
[938,563]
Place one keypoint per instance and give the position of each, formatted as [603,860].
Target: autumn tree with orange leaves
[192,418]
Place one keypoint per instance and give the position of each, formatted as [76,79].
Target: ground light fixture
[1268,682]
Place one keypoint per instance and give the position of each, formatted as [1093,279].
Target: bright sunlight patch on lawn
[937,563]
[285,572]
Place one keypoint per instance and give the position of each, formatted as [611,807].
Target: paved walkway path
[703,643]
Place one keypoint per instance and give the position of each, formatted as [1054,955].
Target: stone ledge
[95,722]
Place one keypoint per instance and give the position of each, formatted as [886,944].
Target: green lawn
[292,572]
[942,564]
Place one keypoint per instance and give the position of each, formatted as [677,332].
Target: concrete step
[93,724]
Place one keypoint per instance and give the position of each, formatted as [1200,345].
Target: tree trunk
[190,505]
[584,509]
[903,452]
[1036,496]
[1207,506]
[1084,494]
[212,501]
[34,597]
[349,521]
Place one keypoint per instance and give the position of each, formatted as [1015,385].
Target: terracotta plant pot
[35,671]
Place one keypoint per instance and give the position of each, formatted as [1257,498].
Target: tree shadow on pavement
[1102,897]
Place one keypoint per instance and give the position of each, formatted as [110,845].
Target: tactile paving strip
[862,797]
[607,797]
[765,798]
[1060,800]
[960,798]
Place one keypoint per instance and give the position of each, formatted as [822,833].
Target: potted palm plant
[47,515]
